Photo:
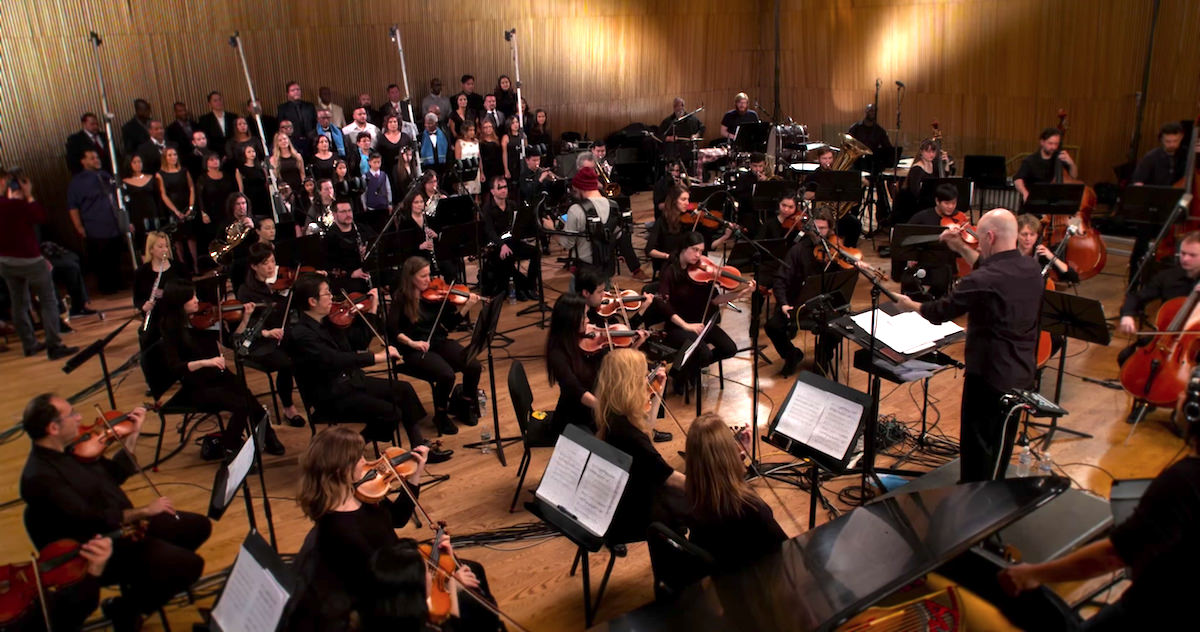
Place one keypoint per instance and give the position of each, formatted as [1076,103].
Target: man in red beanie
[603,235]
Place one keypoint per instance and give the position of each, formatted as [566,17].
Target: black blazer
[212,129]
[302,114]
[77,143]
[326,363]
[152,157]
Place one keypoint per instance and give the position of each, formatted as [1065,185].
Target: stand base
[504,441]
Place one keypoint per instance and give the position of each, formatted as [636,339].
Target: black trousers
[376,402]
[717,346]
[472,615]
[445,359]
[163,563]
[69,273]
[225,392]
[269,356]
[781,330]
[104,258]
[985,441]
[499,271]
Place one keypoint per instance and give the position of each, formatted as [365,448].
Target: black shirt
[1035,170]
[734,541]
[326,362]
[419,330]
[1158,167]
[66,498]
[937,276]
[1159,544]
[686,297]
[647,474]
[1165,285]
[883,155]
[183,344]
[732,119]
[497,222]
[688,127]
[573,380]
[346,540]
[143,285]
[801,263]
[1003,297]
[663,240]
[344,254]
[257,292]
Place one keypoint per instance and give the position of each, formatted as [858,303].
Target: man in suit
[325,101]
[217,124]
[151,151]
[136,130]
[302,114]
[180,130]
[394,106]
[89,136]
[490,113]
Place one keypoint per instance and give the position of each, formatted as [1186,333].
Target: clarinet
[362,252]
[153,299]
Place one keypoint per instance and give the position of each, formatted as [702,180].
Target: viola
[342,312]
[969,236]
[381,477]
[613,302]
[443,599]
[707,271]
[1159,372]
[795,221]
[439,291]
[285,277]
[94,439]
[595,338]
[209,314]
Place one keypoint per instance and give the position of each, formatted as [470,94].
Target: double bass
[1086,252]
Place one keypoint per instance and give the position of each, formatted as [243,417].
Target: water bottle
[1046,466]
[512,292]
[1023,463]
[481,397]
[485,439]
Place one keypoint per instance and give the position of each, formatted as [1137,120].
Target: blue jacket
[443,146]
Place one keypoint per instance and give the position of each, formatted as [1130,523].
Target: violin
[439,291]
[711,220]
[968,235]
[707,271]
[612,302]
[95,439]
[209,314]
[443,598]
[285,277]
[381,477]
[342,312]
[614,335]
[845,257]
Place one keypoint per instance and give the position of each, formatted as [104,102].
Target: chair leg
[698,398]
[612,559]
[521,470]
[275,398]
[721,373]
[162,430]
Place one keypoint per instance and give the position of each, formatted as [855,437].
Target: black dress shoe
[83,312]
[65,328]
[464,410]
[296,421]
[790,364]
[661,437]
[37,348]
[438,455]
[59,352]
[272,445]
[443,424]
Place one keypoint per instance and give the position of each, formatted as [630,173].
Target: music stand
[457,241]
[235,474]
[987,171]
[823,298]
[452,210]
[915,242]
[481,338]
[820,420]
[256,594]
[752,137]
[285,251]
[311,251]
[1070,316]
[964,186]
[1053,199]
[1150,204]
[836,186]
[767,194]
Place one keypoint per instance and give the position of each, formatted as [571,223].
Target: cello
[1086,253]
[1158,372]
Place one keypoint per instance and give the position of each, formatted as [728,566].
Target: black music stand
[237,472]
[1053,199]
[752,137]
[836,186]
[987,171]
[1150,204]
[285,251]
[481,338]
[452,210]
[457,242]
[311,251]
[1077,317]
[825,435]
[964,186]
[97,349]
[256,593]
[824,298]
[915,242]
[767,194]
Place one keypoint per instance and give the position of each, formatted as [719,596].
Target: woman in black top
[265,349]
[252,181]
[194,357]
[726,518]
[350,533]
[239,139]
[287,162]
[390,142]
[491,154]
[411,218]
[213,190]
[506,97]
[142,198]
[178,194]
[537,131]
[510,142]
[460,115]
[654,490]
[667,234]
[1029,229]
[421,328]
[322,161]
[923,168]
[156,258]
[568,367]
[694,303]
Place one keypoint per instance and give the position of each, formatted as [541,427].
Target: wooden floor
[530,578]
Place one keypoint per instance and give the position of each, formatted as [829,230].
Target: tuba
[851,151]
[218,249]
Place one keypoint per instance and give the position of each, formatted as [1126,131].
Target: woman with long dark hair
[421,328]
[194,357]
[323,159]
[538,129]
[506,96]
[252,180]
[568,367]
[667,233]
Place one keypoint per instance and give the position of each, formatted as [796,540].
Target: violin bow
[131,455]
[620,303]
[436,320]
[287,309]
[41,590]
[653,412]
[357,310]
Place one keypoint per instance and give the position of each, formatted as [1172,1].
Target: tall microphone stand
[235,41]
[394,34]
[122,213]
[510,36]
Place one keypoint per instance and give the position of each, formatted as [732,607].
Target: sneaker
[443,424]
[662,437]
[437,454]
[37,348]
[59,352]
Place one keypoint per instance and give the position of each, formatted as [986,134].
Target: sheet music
[696,343]
[906,333]
[253,600]
[238,469]
[820,420]
[584,485]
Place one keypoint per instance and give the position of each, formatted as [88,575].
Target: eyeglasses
[324,294]
[501,186]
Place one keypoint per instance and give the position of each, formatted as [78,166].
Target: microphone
[900,84]
[1072,229]
[508,35]
[919,274]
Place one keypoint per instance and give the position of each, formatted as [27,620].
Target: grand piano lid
[823,577]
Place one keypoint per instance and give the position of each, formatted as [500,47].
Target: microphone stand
[394,33]
[510,36]
[122,213]
[235,41]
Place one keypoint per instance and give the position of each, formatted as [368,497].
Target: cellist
[1161,166]
[1038,167]
[1166,284]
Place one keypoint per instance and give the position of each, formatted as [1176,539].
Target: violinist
[347,242]
[693,303]
[1166,284]
[193,356]
[668,231]
[149,280]
[329,371]
[1002,298]
[774,226]
[1039,167]
[506,230]
[67,606]
[800,263]
[590,284]
[349,532]
[743,191]
[937,277]
[265,349]
[68,498]
[420,323]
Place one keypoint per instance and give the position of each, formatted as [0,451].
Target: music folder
[583,483]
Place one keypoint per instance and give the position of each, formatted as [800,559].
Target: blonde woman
[156,260]
[287,162]
[726,517]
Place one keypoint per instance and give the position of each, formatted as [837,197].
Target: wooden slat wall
[992,72]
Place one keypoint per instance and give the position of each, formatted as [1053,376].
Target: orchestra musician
[1029,244]
[568,367]
[346,243]
[678,128]
[421,326]
[848,226]
[692,304]
[937,277]
[667,234]
[320,212]
[1171,282]
[672,175]
[329,371]
[922,169]
[237,209]
[883,155]
[350,534]
[1162,166]
[156,259]
[265,348]
[590,284]
[1038,167]
[743,191]
[824,156]
[506,229]
[193,356]
[68,498]
[1002,298]
[741,114]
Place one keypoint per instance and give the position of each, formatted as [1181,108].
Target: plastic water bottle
[481,397]
[1046,466]
[485,439]
[1024,462]
[512,292]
